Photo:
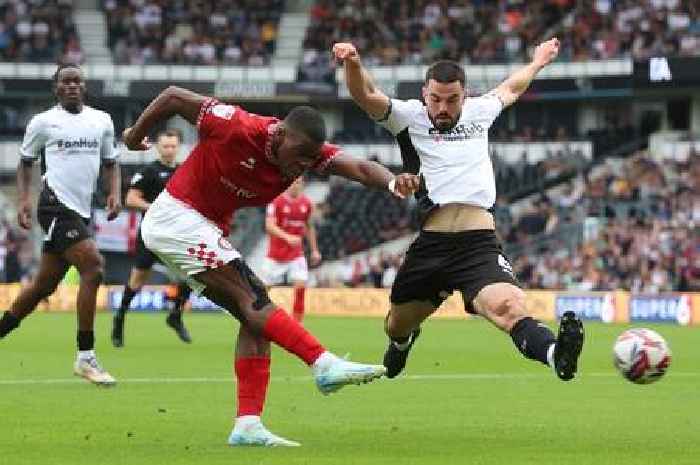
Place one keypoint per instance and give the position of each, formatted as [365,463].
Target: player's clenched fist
[345,51]
[404,184]
[546,52]
[133,143]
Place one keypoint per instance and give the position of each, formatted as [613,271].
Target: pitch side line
[434,377]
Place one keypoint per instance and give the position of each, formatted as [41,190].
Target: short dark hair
[308,121]
[446,71]
[63,66]
[171,132]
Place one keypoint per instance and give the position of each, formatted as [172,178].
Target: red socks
[253,376]
[291,336]
[298,308]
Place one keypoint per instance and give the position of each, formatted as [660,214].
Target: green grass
[476,400]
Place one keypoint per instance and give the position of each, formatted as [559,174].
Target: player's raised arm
[517,83]
[373,174]
[172,101]
[359,82]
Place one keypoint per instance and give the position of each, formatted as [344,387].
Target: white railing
[288,73]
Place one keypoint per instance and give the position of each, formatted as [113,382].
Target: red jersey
[291,215]
[232,164]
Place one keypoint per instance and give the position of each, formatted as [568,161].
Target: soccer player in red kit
[246,160]
[287,223]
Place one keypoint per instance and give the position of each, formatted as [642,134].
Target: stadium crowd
[480,31]
[644,234]
[229,32]
[40,31]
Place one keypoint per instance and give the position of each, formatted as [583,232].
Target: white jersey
[73,145]
[455,164]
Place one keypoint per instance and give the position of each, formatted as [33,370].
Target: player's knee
[93,271]
[511,306]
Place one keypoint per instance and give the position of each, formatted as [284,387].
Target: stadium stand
[417,32]
[230,32]
[39,31]
[642,233]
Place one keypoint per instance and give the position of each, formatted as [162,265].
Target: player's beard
[445,125]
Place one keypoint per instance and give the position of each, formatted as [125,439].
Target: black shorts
[144,257]
[439,263]
[62,226]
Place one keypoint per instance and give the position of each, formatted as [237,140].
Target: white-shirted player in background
[444,139]
[74,140]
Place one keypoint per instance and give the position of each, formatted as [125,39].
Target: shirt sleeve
[399,114]
[109,149]
[489,106]
[214,118]
[328,152]
[34,139]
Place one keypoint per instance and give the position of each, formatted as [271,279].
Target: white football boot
[90,369]
[332,373]
[249,431]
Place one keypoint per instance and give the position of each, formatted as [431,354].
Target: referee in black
[145,187]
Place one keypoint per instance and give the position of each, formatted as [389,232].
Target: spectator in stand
[208,32]
[36,31]
[421,31]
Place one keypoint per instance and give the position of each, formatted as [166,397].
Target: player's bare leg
[252,368]
[52,269]
[504,305]
[90,264]
[137,278]
[298,306]
[402,325]
[234,287]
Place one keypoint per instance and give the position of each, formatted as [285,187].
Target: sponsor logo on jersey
[81,143]
[460,132]
[223,111]
[238,191]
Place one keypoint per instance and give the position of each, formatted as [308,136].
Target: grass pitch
[468,398]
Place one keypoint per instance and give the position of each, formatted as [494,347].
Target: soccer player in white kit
[444,139]
[73,140]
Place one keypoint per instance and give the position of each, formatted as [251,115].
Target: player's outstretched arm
[359,82]
[172,101]
[517,83]
[373,174]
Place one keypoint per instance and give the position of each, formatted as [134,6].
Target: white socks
[246,421]
[86,354]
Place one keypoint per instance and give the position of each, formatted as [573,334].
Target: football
[641,355]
